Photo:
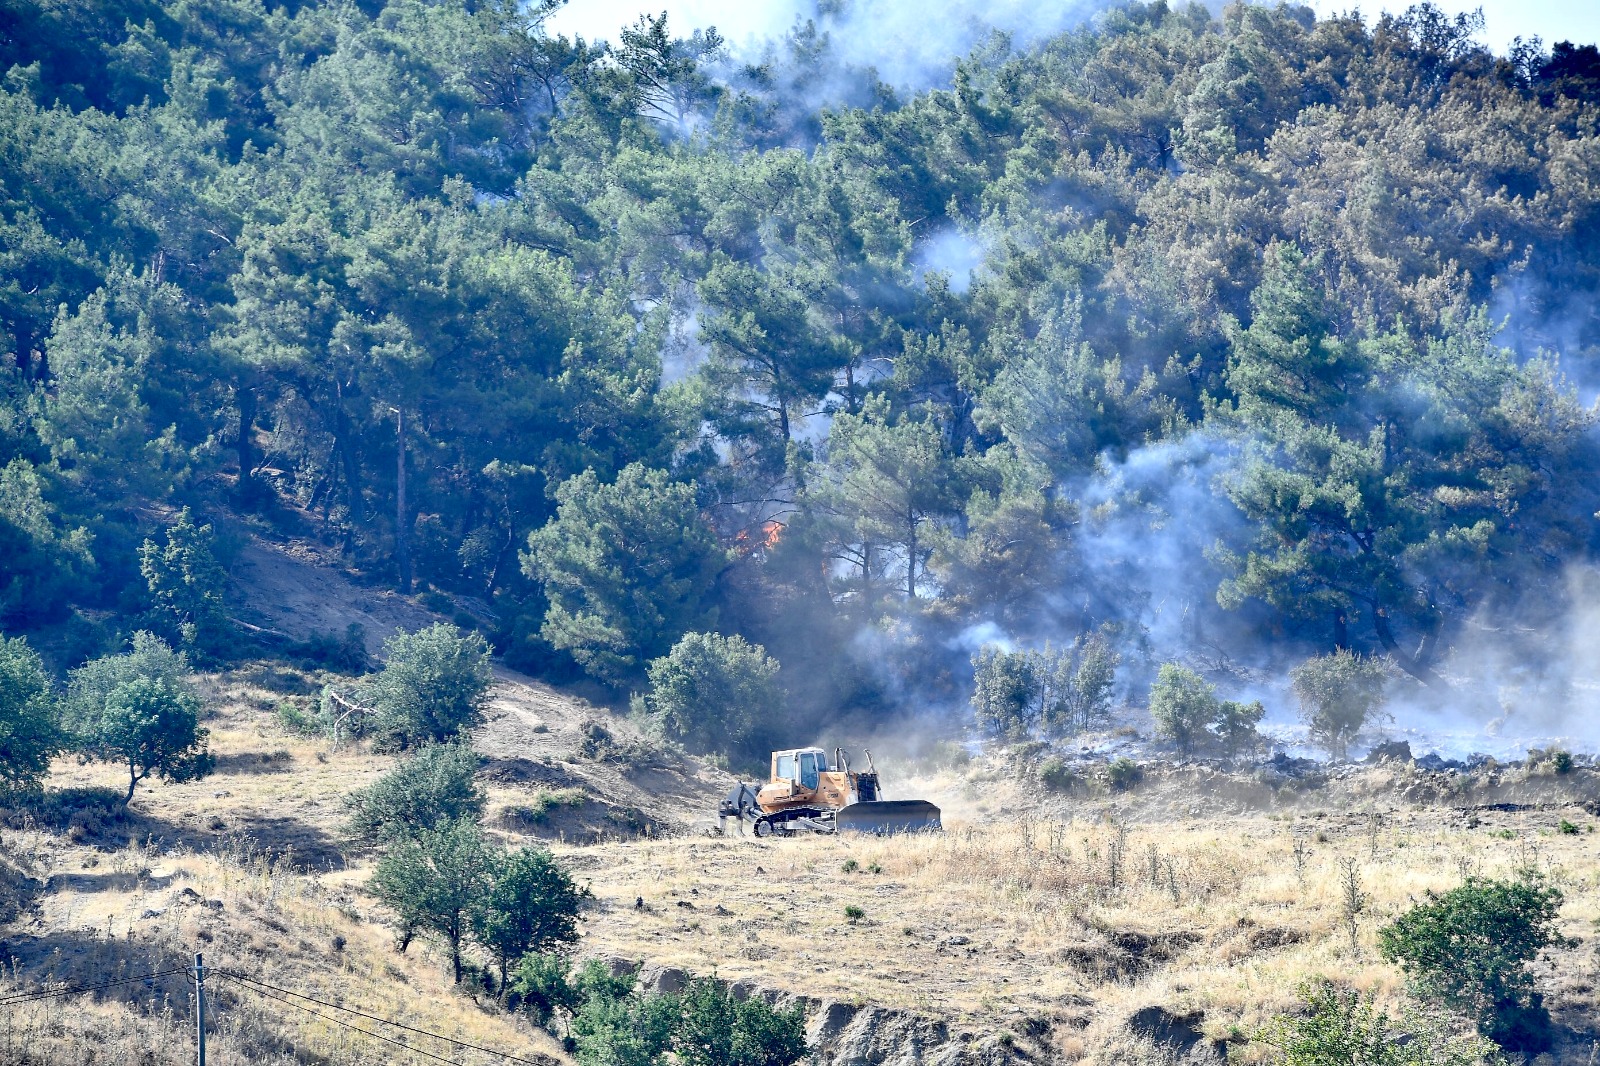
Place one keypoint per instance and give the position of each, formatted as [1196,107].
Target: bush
[1235,725]
[1342,1027]
[1006,690]
[433,685]
[542,986]
[1182,703]
[1469,949]
[139,709]
[532,906]
[715,1028]
[30,733]
[711,692]
[428,790]
[1338,694]
[1067,689]
[1056,775]
[1122,772]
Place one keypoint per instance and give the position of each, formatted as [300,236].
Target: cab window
[785,768]
[808,769]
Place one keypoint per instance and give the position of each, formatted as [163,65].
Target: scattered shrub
[30,733]
[1341,1027]
[854,914]
[1183,704]
[433,685]
[1469,949]
[711,692]
[426,791]
[1339,694]
[532,906]
[1122,772]
[850,866]
[1056,775]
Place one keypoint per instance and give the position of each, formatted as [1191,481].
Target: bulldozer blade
[889,816]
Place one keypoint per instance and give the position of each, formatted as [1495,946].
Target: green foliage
[46,560]
[441,285]
[1183,704]
[429,789]
[1123,773]
[186,586]
[717,1028]
[626,568]
[532,906]
[1338,695]
[543,986]
[712,693]
[1056,775]
[1066,689]
[30,733]
[1340,1026]
[853,914]
[432,687]
[138,709]
[436,882]
[1470,948]
[1235,725]
[1006,691]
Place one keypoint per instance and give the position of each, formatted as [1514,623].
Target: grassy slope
[1010,922]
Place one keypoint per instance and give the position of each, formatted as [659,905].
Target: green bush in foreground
[1342,1027]
[1469,950]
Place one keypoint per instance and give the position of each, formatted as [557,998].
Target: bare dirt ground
[296,587]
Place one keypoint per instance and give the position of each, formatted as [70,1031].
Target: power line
[279,994]
[28,997]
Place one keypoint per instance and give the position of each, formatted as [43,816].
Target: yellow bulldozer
[805,792]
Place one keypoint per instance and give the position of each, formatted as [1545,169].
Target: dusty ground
[1090,924]
[1048,924]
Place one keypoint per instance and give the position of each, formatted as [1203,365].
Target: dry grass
[1073,917]
[1077,922]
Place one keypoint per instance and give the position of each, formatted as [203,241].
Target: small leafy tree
[1469,948]
[428,790]
[186,586]
[1338,694]
[625,1029]
[1235,725]
[532,906]
[542,983]
[139,709]
[1183,704]
[712,692]
[1342,1027]
[435,882]
[1006,690]
[30,734]
[433,685]
[1079,682]
[716,1028]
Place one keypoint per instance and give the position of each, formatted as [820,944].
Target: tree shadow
[252,762]
[108,881]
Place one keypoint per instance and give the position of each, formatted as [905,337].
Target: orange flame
[771,532]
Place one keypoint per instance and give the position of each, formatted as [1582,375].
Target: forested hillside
[1251,336]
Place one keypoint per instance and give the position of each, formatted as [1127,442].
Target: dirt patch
[296,589]
[1125,955]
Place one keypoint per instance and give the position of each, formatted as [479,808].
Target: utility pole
[200,1006]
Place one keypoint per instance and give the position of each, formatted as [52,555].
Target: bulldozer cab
[800,766]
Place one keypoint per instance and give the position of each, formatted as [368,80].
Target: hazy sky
[739,20]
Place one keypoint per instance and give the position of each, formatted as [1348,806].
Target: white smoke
[911,46]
